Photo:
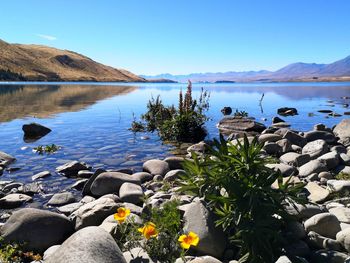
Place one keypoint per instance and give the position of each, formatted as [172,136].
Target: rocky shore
[80,230]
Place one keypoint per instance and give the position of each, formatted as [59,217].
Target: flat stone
[239,126]
[320,135]
[61,199]
[269,137]
[286,170]
[294,159]
[343,237]
[325,224]
[174,162]
[110,182]
[85,174]
[93,213]
[344,159]
[342,213]
[14,200]
[295,138]
[314,166]
[331,159]
[71,168]
[315,148]
[142,176]
[173,175]
[339,186]
[155,167]
[318,194]
[41,175]
[6,159]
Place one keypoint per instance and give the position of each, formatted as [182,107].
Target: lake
[90,121]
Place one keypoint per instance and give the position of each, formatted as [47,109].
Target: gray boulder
[343,237]
[286,145]
[174,162]
[6,159]
[342,213]
[41,175]
[93,213]
[286,170]
[339,186]
[315,148]
[142,176]
[344,159]
[173,175]
[156,167]
[320,135]
[331,159]
[317,193]
[314,166]
[200,220]
[88,245]
[61,199]
[295,159]
[38,229]
[272,148]
[295,138]
[131,193]
[14,200]
[71,168]
[325,224]
[342,130]
[110,182]
[269,137]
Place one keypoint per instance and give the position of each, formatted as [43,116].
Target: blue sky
[184,36]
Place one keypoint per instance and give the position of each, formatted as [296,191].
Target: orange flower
[122,214]
[149,230]
[188,240]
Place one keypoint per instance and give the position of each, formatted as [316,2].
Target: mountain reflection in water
[45,100]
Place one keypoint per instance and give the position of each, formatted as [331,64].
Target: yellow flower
[149,230]
[122,214]
[188,240]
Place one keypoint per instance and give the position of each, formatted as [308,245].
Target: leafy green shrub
[13,253]
[234,181]
[342,176]
[48,149]
[184,123]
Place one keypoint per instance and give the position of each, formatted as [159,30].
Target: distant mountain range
[336,71]
[42,63]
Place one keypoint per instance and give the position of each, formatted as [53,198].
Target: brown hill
[42,63]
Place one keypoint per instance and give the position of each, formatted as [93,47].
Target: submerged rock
[286,111]
[34,131]
[6,159]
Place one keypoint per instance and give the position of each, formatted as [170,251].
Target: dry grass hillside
[42,63]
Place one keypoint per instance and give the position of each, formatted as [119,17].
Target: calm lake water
[90,121]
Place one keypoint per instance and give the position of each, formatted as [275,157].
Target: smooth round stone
[325,224]
[61,199]
[41,175]
[315,148]
[156,167]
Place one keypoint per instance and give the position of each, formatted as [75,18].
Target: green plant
[136,126]
[242,113]
[166,226]
[342,176]
[236,184]
[184,123]
[49,149]
[13,253]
